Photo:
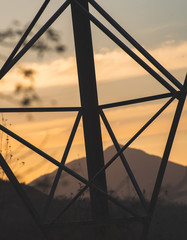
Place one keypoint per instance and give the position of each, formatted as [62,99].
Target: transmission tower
[92,113]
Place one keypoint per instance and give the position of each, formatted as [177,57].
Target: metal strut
[89,102]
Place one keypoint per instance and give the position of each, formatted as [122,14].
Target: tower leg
[89,103]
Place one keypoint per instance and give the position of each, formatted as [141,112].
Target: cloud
[110,66]
[172,56]
[118,65]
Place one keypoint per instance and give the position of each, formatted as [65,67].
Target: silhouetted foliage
[50,42]
[27,91]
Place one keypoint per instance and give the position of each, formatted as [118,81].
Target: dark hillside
[16,223]
[144,166]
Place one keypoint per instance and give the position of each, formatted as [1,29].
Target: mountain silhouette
[144,167]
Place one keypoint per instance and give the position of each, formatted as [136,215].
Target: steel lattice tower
[91,113]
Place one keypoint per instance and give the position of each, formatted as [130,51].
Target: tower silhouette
[91,113]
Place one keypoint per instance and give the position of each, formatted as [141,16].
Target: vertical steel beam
[89,102]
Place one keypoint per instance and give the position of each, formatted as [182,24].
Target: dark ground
[169,223]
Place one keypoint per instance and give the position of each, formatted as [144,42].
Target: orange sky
[119,78]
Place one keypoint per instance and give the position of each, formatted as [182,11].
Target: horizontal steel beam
[136,100]
[42,109]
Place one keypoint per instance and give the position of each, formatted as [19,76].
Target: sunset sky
[159,26]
